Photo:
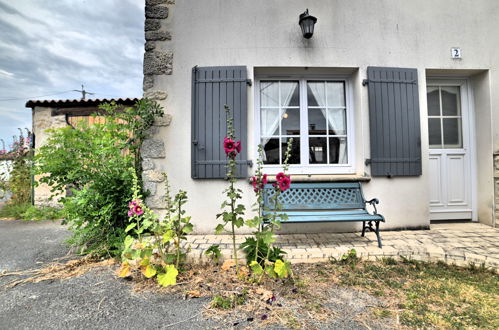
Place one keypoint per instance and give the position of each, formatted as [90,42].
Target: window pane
[290,94]
[317,121]
[435,133]
[269,92]
[318,150]
[335,92]
[452,133]
[450,101]
[271,151]
[270,122]
[316,95]
[290,122]
[433,101]
[295,150]
[337,122]
[338,150]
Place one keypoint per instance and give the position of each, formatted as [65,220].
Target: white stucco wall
[349,34]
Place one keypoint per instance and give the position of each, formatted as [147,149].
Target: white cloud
[53,46]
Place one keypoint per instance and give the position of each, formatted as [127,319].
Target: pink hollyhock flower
[280,176]
[254,182]
[238,146]
[264,179]
[137,209]
[285,183]
[130,213]
[229,145]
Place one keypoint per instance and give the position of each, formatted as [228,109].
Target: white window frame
[348,168]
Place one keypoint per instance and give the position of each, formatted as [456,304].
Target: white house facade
[401,96]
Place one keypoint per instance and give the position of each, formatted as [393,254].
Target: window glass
[322,110]
[317,121]
[318,150]
[269,122]
[335,94]
[338,150]
[271,153]
[269,94]
[336,119]
[435,131]
[295,150]
[444,117]
[452,133]
[433,100]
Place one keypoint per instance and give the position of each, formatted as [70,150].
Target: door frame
[465,88]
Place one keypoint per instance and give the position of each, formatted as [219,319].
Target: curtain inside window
[273,117]
[335,122]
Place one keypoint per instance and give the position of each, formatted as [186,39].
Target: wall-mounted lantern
[307,23]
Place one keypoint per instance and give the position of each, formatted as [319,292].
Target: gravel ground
[96,300]
[100,300]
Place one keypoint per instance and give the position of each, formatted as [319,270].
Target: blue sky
[52,47]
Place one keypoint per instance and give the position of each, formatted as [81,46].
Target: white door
[450,169]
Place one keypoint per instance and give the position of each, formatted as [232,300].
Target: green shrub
[30,212]
[97,162]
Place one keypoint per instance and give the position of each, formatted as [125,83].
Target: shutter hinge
[365,82]
[367,161]
[249,82]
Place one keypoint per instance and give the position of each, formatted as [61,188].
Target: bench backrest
[317,196]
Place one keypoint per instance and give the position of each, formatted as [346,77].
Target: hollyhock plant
[229,145]
[280,176]
[232,214]
[137,209]
[285,183]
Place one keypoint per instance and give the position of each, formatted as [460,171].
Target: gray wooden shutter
[394,121]
[212,88]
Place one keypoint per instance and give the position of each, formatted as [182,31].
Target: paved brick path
[459,243]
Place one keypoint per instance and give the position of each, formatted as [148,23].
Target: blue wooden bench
[326,202]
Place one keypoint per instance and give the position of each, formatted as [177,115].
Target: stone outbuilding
[48,114]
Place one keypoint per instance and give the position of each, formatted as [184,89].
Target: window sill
[326,178]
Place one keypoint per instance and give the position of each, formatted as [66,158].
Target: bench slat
[333,218]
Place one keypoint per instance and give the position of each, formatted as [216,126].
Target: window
[316,114]
[444,117]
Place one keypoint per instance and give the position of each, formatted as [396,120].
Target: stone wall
[43,120]
[158,63]
[496,187]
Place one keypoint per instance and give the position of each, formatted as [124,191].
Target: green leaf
[168,278]
[239,222]
[188,228]
[168,236]
[256,268]
[219,229]
[130,227]
[149,272]
[282,268]
[267,237]
[128,242]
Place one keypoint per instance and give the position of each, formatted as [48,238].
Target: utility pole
[83,92]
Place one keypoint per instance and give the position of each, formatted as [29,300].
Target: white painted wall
[354,34]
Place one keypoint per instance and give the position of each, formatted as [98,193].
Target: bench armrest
[373,202]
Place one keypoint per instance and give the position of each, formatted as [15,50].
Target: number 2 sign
[455,52]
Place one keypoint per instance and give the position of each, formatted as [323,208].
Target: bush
[18,179]
[30,212]
[97,162]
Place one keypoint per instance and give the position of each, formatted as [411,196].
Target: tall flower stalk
[233,212]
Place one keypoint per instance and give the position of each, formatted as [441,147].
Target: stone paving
[457,243]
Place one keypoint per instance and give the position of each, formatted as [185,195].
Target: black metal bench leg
[363,228]
[378,235]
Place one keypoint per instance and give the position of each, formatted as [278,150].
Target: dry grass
[56,270]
